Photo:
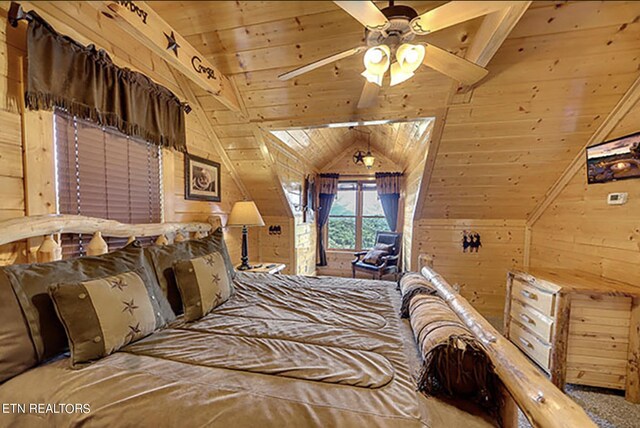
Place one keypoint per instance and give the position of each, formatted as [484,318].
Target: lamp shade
[245,213]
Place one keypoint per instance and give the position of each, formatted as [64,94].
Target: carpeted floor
[607,407]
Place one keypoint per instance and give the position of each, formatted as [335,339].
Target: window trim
[358,216]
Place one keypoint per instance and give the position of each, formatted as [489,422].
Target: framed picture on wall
[201,179]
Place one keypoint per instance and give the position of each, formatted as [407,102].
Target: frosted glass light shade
[245,213]
[376,60]
[398,75]
[410,57]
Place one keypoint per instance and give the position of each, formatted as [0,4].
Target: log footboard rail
[46,226]
[543,403]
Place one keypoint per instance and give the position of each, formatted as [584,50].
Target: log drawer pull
[526,318]
[525,342]
[529,294]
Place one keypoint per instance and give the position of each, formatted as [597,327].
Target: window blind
[104,173]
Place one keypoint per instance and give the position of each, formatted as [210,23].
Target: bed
[283,351]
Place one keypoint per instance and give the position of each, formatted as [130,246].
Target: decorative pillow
[204,284]
[163,258]
[379,250]
[17,353]
[31,284]
[102,315]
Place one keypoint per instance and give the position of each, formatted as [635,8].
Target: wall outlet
[617,198]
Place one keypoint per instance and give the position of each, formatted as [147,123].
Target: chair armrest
[387,259]
[358,255]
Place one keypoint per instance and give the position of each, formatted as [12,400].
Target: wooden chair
[389,264]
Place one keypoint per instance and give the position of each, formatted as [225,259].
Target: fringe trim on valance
[41,101]
[84,81]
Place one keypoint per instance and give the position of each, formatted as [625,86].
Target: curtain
[327,190]
[84,81]
[388,185]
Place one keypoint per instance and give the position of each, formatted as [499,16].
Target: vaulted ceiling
[499,147]
[554,80]
[321,145]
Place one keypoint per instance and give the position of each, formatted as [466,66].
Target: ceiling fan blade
[453,13]
[365,12]
[328,60]
[453,66]
[369,95]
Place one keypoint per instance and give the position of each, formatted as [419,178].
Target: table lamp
[245,214]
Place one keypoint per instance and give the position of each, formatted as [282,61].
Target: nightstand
[266,267]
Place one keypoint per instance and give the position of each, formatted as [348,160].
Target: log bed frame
[527,388]
[47,226]
[541,401]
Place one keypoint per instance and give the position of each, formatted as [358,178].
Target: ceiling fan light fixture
[398,75]
[410,56]
[377,59]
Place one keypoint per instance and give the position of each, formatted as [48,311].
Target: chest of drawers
[579,328]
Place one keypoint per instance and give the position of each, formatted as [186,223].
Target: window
[103,173]
[356,215]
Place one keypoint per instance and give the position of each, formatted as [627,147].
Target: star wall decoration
[172,44]
[358,157]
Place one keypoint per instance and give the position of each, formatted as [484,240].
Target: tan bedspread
[283,351]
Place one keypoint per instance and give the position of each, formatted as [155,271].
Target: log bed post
[558,366]
[543,404]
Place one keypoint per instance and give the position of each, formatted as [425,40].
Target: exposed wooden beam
[494,31]
[147,27]
[626,103]
[432,154]
[204,120]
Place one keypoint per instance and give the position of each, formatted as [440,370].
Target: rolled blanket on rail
[454,363]
[410,285]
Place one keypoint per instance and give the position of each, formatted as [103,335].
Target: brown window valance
[84,81]
[388,182]
[328,183]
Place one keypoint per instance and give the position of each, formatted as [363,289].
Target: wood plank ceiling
[320,146]
[563,67]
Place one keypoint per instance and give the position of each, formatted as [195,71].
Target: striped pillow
[204,284]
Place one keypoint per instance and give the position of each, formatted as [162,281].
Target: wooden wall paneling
[210,132]
[580,231]
[481,275]
[39,168]
[12,190]
[626,103]
[632,387]
[276,248]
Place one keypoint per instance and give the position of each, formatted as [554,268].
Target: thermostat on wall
[617,198]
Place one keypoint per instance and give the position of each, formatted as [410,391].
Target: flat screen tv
[614,160]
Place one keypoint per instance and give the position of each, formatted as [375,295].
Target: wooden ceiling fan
[388,35]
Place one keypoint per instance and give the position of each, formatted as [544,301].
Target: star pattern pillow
[103,315]
[204,284]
